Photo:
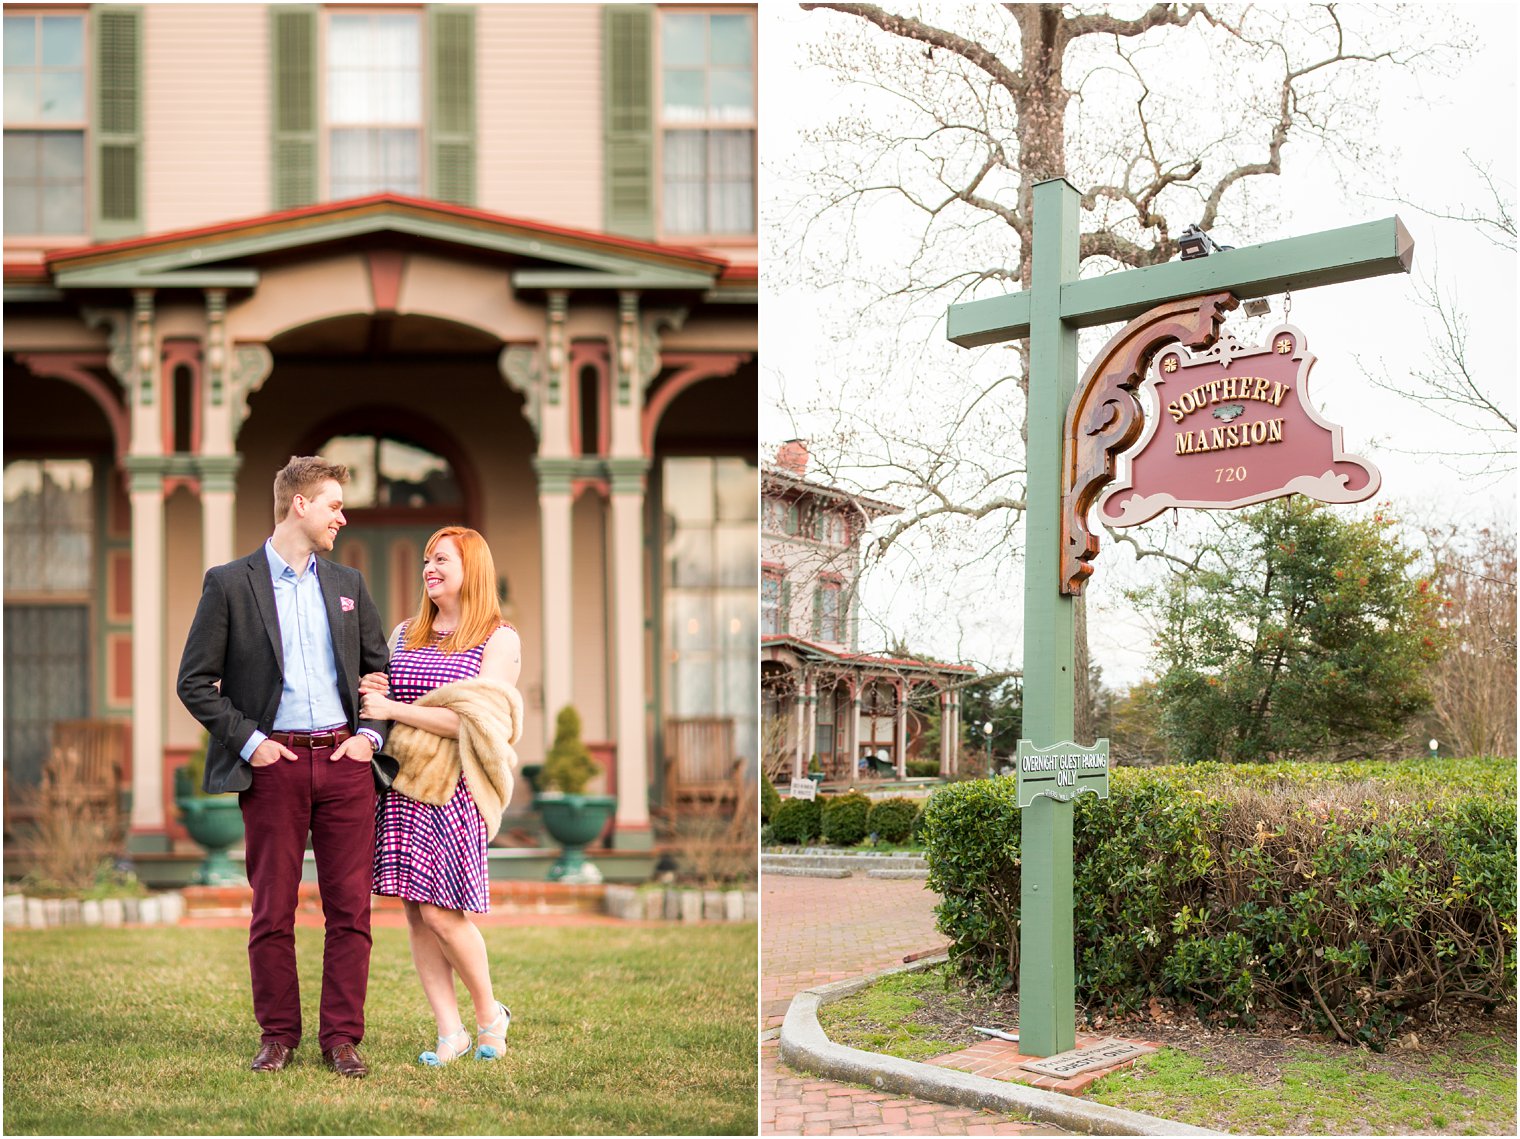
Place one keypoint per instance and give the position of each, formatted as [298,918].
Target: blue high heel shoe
[491,1051]
[447,1050]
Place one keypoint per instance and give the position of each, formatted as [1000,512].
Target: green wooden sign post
[1050,313]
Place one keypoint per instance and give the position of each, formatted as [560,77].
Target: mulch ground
[1258,1053]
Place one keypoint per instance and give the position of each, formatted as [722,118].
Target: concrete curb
[897,874]
[804,872]
[805,1046]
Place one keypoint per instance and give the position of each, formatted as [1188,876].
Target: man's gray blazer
[235,639]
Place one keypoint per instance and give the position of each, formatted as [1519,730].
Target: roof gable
[227,255]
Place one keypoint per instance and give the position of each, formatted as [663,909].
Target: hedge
[891,820]
[770,799]
[797,820]
[1353,895]
[844,818]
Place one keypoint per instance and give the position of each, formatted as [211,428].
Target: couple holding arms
[288,668]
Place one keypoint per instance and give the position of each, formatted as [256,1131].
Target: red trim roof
[862,658]
[296,218]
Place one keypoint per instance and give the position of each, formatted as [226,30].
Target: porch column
[218,460]
[855,686]
[218,506]
[554,503]
[944,733]
[146,493]
[631,829]
[900,732]
[810,724]
[955,731]
[799,723]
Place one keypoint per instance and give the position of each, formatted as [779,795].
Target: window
[707,123]
[827,618]
[710,562]
[388,472]
[44,125]
[830,527]
[49,579]
[49,526]
[772,592]
[374,103]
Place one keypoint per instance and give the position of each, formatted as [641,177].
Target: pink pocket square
[347,603]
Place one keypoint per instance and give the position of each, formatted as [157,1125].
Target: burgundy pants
[335,802]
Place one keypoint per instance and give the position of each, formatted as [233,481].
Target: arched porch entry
[700,427]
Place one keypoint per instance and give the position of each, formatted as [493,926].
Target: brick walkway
[816,930]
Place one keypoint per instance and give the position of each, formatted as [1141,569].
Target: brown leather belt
[319,741]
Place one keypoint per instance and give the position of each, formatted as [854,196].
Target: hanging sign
[1231,427]
[1062,771]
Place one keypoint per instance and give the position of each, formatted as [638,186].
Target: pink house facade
[500,260]
[822,698]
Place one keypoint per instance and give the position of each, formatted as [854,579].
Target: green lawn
[1465,1086]
[639,1030]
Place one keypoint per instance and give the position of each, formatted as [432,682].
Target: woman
[434,857]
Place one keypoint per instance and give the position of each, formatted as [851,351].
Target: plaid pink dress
[425,853]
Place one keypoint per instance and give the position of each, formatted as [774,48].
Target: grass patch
[881,1018]
[1468,1088]
[637,1031]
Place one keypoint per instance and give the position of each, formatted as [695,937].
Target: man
[271,669]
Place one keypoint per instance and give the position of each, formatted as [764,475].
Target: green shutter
[628,136]
[293,87]
[118,122]
[785,624]
[451,133]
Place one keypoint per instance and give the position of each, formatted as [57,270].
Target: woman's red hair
[479,613]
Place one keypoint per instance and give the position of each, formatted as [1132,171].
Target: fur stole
[490,722]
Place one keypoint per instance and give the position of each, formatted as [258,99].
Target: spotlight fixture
[1256,306]
[1195,243]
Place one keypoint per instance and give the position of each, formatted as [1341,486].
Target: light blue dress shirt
[310,699]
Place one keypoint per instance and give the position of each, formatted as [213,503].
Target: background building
[499,259]
[823,697]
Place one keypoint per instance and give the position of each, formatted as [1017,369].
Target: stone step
[897,873]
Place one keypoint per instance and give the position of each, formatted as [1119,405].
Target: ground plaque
[1064,1065]
[1062,771]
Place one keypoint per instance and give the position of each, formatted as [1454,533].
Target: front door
[390,558]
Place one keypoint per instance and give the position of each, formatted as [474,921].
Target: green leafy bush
[770,799]
[892,819]
[568,767]
[844,818]
[922,768]
[1354,895]
[797,820]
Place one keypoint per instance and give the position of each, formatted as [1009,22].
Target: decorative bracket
[1105,418]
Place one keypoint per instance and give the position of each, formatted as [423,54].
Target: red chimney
[793,456]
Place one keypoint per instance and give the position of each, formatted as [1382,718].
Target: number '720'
[1229,474]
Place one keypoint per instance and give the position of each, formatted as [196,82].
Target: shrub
[891,820]
[1354,896]
[770,799]
[844,818]
[797,820]
[568,767]
[919,768]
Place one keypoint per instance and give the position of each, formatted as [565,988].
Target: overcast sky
[1373,325]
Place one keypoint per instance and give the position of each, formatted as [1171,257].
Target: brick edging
[806,1047]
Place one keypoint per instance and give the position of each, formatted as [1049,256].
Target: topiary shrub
[770,799]
[568,767]
[797,820]
[891,820]
[920,768]
[844,819]
[1354,896]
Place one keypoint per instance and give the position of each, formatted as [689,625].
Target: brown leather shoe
[272,1057]
[346,1061]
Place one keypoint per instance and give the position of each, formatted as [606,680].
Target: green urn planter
[214,821]
[574,821]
